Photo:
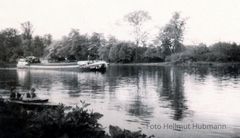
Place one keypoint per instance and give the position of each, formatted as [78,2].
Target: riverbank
[200,63]
[8,65]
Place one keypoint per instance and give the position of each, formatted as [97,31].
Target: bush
[53,122]
[116,132]
[153,54]
[59,122]
[219,52]
[180,57]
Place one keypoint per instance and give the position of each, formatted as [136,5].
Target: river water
[163,101]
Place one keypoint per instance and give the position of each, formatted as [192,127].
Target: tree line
[218,52]
[14,45]
[166,46]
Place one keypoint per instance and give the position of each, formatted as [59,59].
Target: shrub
[153,54]
[218,52]
[54,122]
[59,122]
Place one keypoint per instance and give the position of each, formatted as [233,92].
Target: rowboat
[40,104]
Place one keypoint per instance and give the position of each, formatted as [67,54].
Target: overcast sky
[208,20]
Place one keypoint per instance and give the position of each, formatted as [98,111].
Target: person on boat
[14,94]
[31,94]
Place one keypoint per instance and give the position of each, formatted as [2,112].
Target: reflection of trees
[220,72]
[135,79]
[93,82]
[178,103]
[201,72]
[73,82]
[35,78]
[24,78]
[138,107]
[8,79]
[172,90]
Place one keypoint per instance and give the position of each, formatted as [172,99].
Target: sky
[208,21]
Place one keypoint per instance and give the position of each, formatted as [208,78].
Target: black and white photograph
[119,69]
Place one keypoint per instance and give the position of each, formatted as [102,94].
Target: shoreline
[199,63]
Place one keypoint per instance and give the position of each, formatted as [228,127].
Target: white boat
[93,65]
[22,63]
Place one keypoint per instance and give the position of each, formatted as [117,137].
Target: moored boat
[93,65]
[24,64]
[89,65]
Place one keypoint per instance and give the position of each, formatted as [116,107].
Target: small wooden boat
[37,104]
[34,100]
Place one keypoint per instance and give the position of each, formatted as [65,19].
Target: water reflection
[136,89]
[128,86]
[8,79]
[144,82]
[173,90]
[137,95]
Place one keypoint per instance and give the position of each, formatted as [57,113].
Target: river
[165,101]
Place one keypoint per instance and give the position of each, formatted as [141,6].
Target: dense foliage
[218,52]
[14,45]
[62,121]
[97,47]
[167,46]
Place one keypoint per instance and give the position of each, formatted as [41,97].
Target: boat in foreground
[34,104]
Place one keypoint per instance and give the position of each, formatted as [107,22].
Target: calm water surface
[145,97]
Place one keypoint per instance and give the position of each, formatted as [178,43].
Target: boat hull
[93,66]
[83,66]
[31,105]
[101,68]
[51,66]
[35,101]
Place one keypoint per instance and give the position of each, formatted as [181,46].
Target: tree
[74,44]
[153,54]
[103,52]
[10,42]
[125,53]
[47,38]
[96,42]
[27,32]
[38,46]
[27,29]
[113,53]
[136,20]
[171,35]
